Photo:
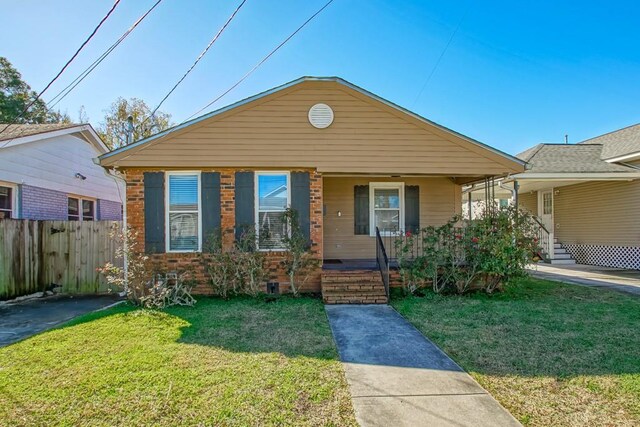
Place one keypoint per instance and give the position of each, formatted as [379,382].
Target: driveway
[617,279]
[23,319]
[397,377]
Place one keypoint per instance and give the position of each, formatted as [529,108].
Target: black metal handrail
[544,239]
[383,261]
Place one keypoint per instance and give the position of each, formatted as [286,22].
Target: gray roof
[618,143]
[569,158]
[19,131]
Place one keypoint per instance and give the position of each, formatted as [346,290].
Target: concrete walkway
[627,281]
[398,377]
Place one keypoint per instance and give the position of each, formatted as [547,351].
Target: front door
[545,208]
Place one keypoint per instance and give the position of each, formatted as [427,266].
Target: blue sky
[514,75]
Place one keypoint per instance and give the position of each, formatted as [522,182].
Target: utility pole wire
[435,67]
[71,86]
[202,54]
[243,77]
[262,61]
[95,30]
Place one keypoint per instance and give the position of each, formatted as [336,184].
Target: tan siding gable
[366,136]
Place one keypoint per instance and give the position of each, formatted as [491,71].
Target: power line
[202,54]
[71,86]
[84,43]
[435,66]
[262,61]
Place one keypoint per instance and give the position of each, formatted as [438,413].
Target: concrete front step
[569,261]
[562,255]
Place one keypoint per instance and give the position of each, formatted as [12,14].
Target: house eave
[576,176]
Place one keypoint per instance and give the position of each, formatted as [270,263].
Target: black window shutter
[301,201]
[361,209]
[210,196]
[245,203]
[154,212]
[412,208]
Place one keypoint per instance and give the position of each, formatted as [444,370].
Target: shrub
[460,256]
[236,270]
[140,284]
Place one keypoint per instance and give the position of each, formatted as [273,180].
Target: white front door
[545,208]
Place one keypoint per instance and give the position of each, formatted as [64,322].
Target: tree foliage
[114,129]
[16,95]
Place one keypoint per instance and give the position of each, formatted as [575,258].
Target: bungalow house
[47,172]
[587,196]
[348,161]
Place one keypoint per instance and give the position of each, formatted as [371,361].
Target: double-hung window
[386,207]
[6,202]
[183,213]
[80,209]
[272,200]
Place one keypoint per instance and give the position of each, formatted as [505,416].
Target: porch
[362,215]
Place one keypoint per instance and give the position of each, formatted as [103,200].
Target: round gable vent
[321,116]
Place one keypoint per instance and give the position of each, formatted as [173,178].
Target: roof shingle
[19,131]
[568,158]
[618,143]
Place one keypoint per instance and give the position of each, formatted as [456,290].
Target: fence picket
[35,255]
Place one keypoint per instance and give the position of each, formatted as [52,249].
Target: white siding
[52,163]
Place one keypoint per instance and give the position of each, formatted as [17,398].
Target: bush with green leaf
[238,270]
[461,256]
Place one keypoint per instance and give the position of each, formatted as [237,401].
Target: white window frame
[14,198]
[167,204]
[372,217]
[256,203]
[80,199]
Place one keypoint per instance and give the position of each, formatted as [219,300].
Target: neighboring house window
[6,202]
[272,193]
[183,212]
[81,209]
[386,207]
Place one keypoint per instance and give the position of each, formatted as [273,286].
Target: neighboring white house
[47,172]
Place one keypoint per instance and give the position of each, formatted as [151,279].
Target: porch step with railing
[353,287]
[560,255]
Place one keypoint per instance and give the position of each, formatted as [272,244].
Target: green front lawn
[237,362]
[552,354]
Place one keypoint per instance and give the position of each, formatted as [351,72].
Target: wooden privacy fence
[37,255]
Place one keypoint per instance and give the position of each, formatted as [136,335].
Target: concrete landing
[398,377]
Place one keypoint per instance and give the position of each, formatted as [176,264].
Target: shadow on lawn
[535,328]
[289,326]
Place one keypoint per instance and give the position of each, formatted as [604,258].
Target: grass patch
[237,362]
[552,354]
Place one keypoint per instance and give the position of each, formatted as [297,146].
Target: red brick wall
[193,262]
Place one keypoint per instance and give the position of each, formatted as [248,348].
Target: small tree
[298,260]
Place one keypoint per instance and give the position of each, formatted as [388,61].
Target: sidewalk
[397,377]
[627,281]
